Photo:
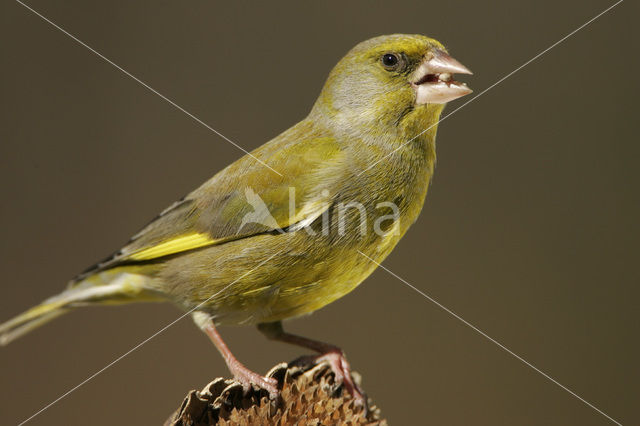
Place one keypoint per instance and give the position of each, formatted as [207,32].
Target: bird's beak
[433,80]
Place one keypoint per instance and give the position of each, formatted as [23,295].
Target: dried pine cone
[308,397]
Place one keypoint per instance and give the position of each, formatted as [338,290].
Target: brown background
[530,231]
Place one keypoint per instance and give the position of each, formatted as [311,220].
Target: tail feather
[20,325]
[103,288]
[36,316]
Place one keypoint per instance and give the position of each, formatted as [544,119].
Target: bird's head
[402,81]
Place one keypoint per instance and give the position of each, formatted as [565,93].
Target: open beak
[433,80]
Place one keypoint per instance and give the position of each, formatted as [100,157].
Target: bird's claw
[248,378]
[342,373]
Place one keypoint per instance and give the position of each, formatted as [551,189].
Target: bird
[298,222]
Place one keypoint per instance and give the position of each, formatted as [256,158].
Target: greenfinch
[300,221]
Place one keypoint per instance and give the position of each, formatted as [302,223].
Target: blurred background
[530,230]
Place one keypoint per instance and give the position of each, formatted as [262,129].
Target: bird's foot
[247,378]
[342,372]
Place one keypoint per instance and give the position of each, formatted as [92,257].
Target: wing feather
[228,206]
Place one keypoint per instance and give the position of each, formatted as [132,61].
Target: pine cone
[308,396]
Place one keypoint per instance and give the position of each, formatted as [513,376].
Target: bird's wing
[244,199]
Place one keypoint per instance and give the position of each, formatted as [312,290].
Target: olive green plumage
[262,272]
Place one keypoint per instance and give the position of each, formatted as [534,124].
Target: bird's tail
[114,286]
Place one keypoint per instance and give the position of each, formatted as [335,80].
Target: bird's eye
[390,60]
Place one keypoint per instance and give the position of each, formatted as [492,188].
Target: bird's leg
[241,373]
[332,354]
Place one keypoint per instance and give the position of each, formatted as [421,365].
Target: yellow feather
[173,246]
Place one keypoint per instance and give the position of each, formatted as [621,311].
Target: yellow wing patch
[173,246]
[309,212]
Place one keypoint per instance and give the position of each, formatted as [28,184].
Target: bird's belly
[271,277]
